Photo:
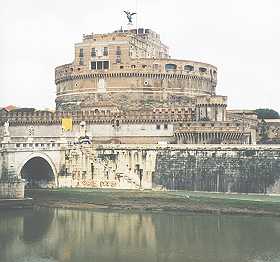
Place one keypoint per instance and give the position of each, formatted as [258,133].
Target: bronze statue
[129,16]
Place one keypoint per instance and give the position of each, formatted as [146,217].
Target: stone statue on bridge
[6,128]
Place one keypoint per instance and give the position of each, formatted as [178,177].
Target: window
[144,66]
[99,65]
[121,67]
[106,64]
[202,70]
[170,67]
[165,126]
[118,50]
[93,65]
[81,54]
[188,68]
[118,59]
[133,66]
[155,66]
[93,52]
[105,51]
[157,126]
[81,61]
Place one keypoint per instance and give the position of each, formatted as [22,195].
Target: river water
[49,235]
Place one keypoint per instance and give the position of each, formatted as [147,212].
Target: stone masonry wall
[245,170]
[11,189]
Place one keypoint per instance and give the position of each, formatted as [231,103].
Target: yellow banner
[67,124]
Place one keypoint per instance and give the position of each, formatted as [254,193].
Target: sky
[240,37]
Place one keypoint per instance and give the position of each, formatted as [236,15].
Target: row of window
[203,124]
[95,52]
[99,65]
[188,68]
[165,126]
[104,52]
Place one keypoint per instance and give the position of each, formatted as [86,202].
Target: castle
[129,116]
[128,90]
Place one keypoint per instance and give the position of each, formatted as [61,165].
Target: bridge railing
[23,146]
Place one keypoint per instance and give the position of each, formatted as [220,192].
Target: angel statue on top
[129,16]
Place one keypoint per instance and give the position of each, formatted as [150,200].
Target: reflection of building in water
[71,236]
[72,233]
[99,231]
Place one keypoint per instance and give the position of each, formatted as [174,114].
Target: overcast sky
[240,37]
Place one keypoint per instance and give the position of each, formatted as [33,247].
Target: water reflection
[49,235]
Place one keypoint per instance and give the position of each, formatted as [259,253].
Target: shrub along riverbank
[184,201]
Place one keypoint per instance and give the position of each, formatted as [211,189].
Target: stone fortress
[139,119]
[127,89]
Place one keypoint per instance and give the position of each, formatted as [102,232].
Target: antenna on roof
[136,14]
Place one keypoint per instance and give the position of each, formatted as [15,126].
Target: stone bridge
[219,168]
[39,163]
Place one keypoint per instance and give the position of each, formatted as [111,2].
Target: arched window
[202,70]
[170,67]
[188,68]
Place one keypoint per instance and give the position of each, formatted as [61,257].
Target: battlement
[98,116]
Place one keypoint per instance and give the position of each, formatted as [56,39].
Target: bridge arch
[38,170]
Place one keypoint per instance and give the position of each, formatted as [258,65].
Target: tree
[266,113]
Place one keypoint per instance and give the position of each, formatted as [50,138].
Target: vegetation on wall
[266,113]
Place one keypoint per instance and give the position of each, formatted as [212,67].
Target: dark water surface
[48,235]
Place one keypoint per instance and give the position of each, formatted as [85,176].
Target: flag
[67,124]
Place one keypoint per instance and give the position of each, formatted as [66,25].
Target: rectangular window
[155,66]
[93,66]
[157,126]
[118,59]
[118,50]
[105,51]
[93,52]
[106,64]
[99,65]
[81,54]
[165,126]
[81,62]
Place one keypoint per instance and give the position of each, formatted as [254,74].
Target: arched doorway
[38,173]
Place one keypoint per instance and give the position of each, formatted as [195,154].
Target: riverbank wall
[213,168]
[243,169]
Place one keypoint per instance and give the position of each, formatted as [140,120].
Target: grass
[162,200]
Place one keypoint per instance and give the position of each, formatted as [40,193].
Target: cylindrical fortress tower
[129,67]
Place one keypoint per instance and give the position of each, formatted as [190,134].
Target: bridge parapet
[33,146]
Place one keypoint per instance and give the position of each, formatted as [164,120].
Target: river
[51,235]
